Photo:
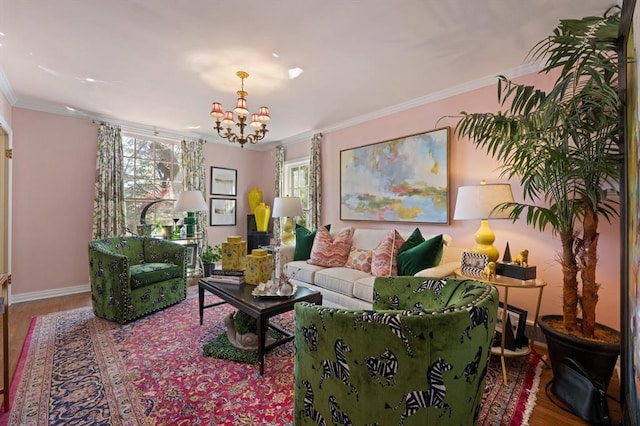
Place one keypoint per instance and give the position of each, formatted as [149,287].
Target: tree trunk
[569,283]
[587,260]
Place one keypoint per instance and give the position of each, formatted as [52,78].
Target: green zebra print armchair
[418,358]
[135,276]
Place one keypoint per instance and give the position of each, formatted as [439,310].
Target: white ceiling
[160,63]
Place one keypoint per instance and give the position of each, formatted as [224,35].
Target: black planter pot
[208,267]
[598,358]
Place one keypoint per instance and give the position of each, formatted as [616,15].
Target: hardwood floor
[20,315]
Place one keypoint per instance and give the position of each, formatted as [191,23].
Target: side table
[511,283]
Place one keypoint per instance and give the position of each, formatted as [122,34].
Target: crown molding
[6,89]
[469,86]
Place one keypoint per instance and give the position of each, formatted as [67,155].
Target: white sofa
[351,288]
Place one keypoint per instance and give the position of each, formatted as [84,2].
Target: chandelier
[226,118]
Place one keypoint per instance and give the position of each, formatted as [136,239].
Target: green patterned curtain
[279,183]
[194,178]
[315,181]
[108,203]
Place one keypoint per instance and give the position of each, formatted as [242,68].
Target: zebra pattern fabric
[419,357]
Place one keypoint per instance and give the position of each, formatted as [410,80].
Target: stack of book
[227,276]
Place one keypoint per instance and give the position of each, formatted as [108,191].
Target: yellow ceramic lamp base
[288,238]
[484,242]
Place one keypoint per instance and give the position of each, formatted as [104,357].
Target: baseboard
[37,295]
[528,331]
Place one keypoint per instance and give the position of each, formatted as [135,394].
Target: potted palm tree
[563,145]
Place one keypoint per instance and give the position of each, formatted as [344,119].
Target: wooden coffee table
[239,295]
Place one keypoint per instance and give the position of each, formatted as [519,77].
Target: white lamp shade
[190,201]
[479,201]
[287,207]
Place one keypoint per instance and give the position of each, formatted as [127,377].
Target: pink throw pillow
[384,260]
[359,259]
[328,252]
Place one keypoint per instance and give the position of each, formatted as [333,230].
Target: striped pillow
[384,260]
[329,252]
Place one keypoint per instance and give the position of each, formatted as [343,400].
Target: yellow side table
[511,283]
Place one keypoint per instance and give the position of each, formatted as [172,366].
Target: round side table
[508,283]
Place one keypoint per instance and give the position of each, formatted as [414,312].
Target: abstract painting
[400,180]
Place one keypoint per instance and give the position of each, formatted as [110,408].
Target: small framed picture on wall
[222,212]
[223,181]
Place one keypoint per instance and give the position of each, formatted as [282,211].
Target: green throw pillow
[304,242]
[423,255]
[414,239]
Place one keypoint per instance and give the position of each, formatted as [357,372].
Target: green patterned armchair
[418,358]
[135,276]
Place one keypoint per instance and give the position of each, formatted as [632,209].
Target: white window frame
[162,212]
[289,191]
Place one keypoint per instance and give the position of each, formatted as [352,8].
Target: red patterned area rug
[79,369]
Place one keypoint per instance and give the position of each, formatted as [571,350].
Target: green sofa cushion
[419,255]
[149,273]
[304,242]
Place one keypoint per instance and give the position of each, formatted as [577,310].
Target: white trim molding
[46,294]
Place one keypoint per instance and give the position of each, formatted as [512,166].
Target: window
[296,184]
[152,170]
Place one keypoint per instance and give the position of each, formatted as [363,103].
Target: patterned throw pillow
[328,252]
[304,242]
[359,259]
[383,261]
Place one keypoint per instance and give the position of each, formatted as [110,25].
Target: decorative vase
[255,198]
[286,288]
[262,214]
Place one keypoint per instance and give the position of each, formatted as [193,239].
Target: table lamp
[287,207]
[190,202]
[478,202]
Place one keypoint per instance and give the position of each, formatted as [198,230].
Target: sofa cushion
[363,288]
[339,279]
[359,259]
[329,252]
[302,271]
[304,242]
[383,261]
[421,256]
[149,273]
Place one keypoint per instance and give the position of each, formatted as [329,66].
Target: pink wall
[469,166]
[255,168]
[54,161]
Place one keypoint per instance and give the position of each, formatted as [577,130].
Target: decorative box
[259,267]
[516,271]
[234,253]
